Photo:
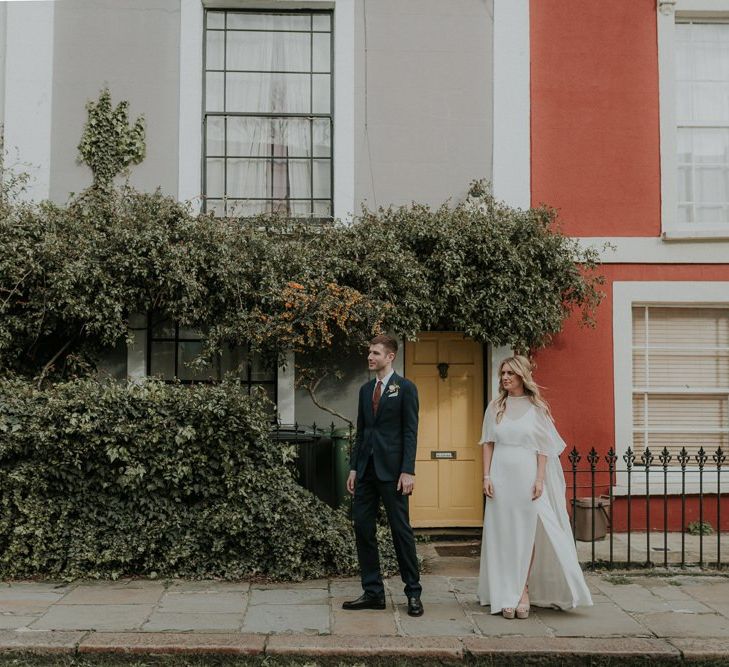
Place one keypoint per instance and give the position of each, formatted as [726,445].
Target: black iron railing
[642,492]
[633,509]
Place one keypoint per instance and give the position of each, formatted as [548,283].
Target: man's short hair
[388,342]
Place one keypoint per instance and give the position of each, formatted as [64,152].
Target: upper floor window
[702,123]
[268,113]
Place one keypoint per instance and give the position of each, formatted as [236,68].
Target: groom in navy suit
[382,466]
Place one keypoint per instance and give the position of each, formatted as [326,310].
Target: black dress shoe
[415,607]
[365,601]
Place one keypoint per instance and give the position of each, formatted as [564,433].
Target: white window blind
[702,114]
[680,379]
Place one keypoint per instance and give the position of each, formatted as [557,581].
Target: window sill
[695,235]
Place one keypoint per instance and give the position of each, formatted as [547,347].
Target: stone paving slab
[441,648]
[600,620]
[40,642]
[94,617]
[186,602]
[14,622]
[96,594]
[210,622]
[496,625]
[304,596]
[440,619]
[267,618]
[703,649]
[152,642]
[677,625]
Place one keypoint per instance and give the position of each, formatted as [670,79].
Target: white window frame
[640,293]
[668,12]
[191,91]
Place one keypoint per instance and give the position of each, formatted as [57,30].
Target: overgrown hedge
[168,480]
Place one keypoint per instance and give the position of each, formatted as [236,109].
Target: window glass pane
[251,21]
[710,214]
[321,91]
[683,101]
[248,178]
[188,352]
[234,359]
[322,53]
[249,136]
[269,51]
[214,177]
[214,91]
[299,177]
[189,333]
[322,209]
[711,184]
[267,93]
[322,178]
[279,206]
[322,22]
[137,354]
[247,208]
[322,137]
[710,101]
[685,214]
[259,369]
[301,209]
[162,327]
[214,49]
[215,136]
[216,207]
[711,62]
[216,19]
[162,361]
[685,192]
[292,137]
[711,145]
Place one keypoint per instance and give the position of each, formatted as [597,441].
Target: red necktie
[376,397]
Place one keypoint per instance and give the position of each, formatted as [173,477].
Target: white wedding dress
[513,522]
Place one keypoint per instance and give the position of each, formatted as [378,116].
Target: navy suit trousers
[367,494]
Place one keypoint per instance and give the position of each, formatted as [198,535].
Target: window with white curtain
[268,113]
[702,116]
[680,379]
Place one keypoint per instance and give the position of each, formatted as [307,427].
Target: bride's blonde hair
[523,368]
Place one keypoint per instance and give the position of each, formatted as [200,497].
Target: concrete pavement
[677,618]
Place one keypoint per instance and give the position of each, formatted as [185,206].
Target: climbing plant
[109,144]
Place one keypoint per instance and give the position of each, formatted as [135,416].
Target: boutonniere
[393,389]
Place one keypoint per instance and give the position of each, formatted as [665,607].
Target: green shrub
[152,479]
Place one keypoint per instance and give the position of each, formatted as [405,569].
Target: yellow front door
[448,471]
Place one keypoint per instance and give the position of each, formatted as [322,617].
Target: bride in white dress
[528,554]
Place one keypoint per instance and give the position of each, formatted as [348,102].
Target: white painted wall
[28,98]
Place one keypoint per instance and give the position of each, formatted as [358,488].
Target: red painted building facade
[629,141]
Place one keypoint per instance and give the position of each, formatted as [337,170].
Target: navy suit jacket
[392,434]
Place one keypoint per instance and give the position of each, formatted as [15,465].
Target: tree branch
[311,388]
[48,366]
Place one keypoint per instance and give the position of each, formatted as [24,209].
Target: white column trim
[512,103]
[666,26]
[29,92]
[655,250]
[189,168]
[345,205]
[286,391]
[498,355]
